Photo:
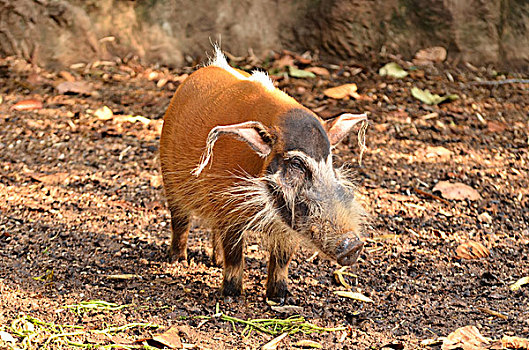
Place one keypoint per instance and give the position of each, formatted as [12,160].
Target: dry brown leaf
[342,91]
[120,340]
[472,250]
[96,338]
[303,60]
[431,342]
[382,127]
[153,75]
[284,61]
[485,217]
[181,78]
[288,309]
[132,119]
[50,179]
[430,55]
[439,151]
[66,76]
[170,338]
[161,83]
[27,105]
[35,80]
[430,116]
[494,126]
[74,87]
[457,190]
[307,344]
[466,338]
[104,113]
[515,343]
[274,343]
[354,295]
[319,71]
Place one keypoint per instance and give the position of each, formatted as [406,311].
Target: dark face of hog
[309,194]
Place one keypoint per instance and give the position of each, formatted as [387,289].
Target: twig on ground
[500,82]
[493,313]
[431,195]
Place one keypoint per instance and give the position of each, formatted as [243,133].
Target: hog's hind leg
[180,232]
[232,245]
[216,244]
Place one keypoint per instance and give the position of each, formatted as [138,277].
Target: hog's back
[208,98]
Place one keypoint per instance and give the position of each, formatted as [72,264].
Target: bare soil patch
[81,199]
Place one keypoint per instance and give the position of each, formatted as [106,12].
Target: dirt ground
[83,218]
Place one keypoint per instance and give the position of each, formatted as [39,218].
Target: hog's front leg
[277,282]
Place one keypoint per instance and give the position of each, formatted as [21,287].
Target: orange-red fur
[208,98]
[211,97]
[225,181]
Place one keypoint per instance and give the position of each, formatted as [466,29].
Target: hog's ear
[255,134]
[337,128]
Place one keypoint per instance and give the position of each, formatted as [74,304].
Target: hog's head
[312,197]
[300,188]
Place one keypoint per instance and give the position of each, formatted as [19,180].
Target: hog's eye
[297,164]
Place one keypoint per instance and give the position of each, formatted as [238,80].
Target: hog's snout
[348,251]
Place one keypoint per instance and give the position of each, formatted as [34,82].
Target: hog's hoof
[231,289]
[349,251]
[277,292]
[174,256]
[216,259]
